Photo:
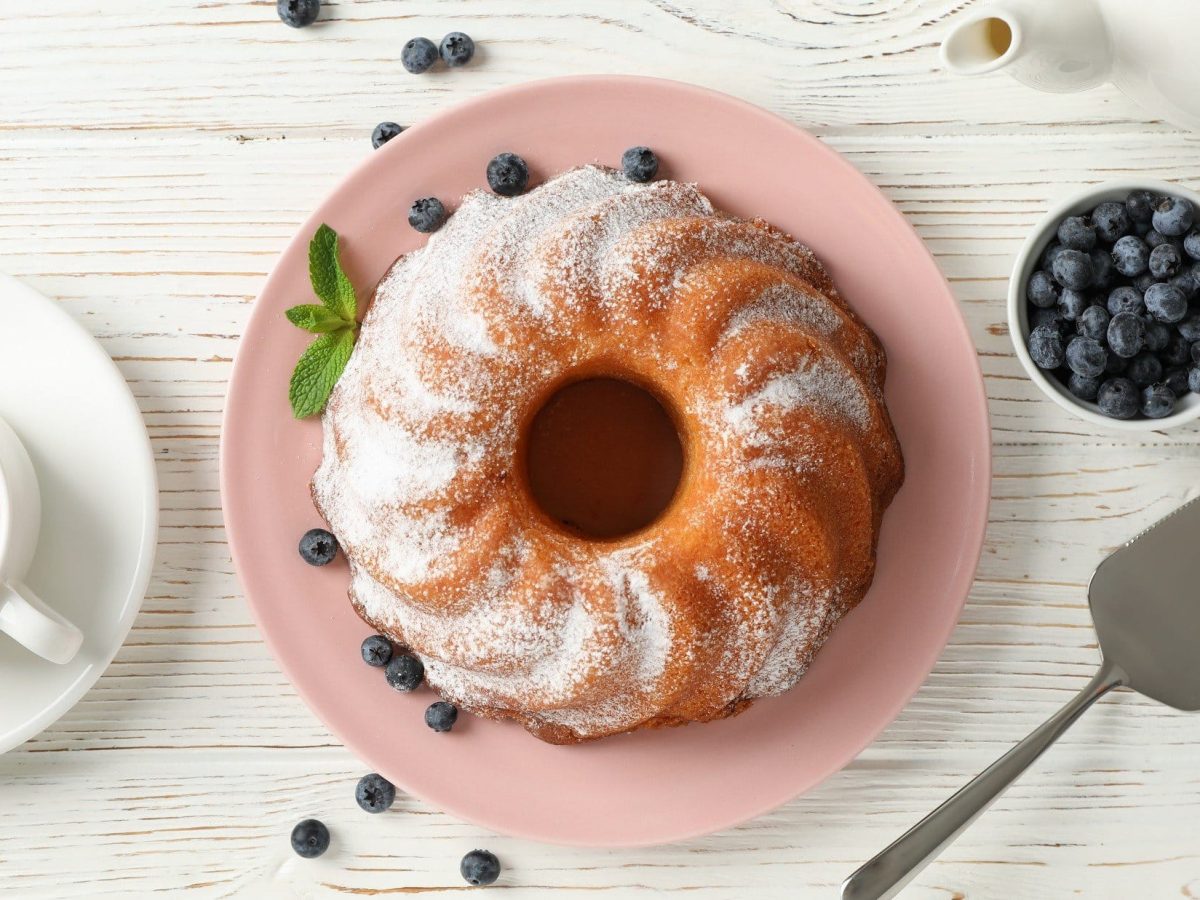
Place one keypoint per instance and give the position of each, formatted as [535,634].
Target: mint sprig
[334,321]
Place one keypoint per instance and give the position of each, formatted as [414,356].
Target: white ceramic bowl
[1188,407]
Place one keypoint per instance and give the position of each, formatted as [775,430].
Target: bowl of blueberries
[1104,305]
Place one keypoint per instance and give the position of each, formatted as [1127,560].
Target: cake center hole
[603,457]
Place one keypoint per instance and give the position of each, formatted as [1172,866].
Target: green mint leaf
[317,372]
[329,282]
[315,318]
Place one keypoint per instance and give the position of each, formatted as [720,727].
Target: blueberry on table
[1042,290]
[480,867]
[639,163]
[318,547]
[376,651]
[1166,302]
[457,49]
[404,672]
[1073,269]
[1046,347]
[1165,260]
[441,716]
[1119,398]
[1158,335]
[1140,205]
[1072,303]
[1086,357]
[374,793]
[1124,299]
[507,175]
[1082,387]
[418,55]
[1126,334]
[384,132]
[310,838]
[1158,401]
[1093,323]
[1144,369]
[1130,255]
[1177,380]
[1076,233]
[1191,244]
[1173,216]
[298,13]
[1111,221]
[427,215]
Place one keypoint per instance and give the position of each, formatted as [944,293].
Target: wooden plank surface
[154,159]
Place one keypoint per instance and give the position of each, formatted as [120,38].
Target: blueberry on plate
[298,13]
[310,838]
[418,55]
[1042,290]
[1072,303]
[1165,260]
[384,132]
[1194,379]
[1124,299]
[1111,221]
[404,672]
[441,716]
[1126,334]
[639,163]
[374,793]
[457,49]
[1144,369]
[1178,350]
[1189,326]
[1158,401]
[427,215]
[1077,233]
[1046,347]
[1191,244]
[479,867]
[318,547]
[1166,302]
[1119,398]
[507,174]
[1173,216]
[1083,388]
[1086,357]
[1093,323]
[1140,205]
[1130,255]
[1177,380]
[1073,269]
[1158,335]
[376,651]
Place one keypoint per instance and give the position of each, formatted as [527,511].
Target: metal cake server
[1145,602]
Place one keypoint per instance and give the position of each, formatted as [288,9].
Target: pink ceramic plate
[665,785]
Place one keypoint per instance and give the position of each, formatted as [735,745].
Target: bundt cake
[753,401]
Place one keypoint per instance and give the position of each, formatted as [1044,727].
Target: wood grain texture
[154,159]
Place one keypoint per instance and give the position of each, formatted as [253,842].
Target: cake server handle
[896,865]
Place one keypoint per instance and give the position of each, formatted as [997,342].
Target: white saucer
[71,408]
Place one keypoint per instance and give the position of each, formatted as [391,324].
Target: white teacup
[23,615]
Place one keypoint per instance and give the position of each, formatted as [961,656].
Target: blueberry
[427,215]
[1073,269]
[418,55]
[1111,221]
[375,793]
[318,547]
[480,867]
[1102,268]
[1093,323]
[1086,357]
[1124,299]
[1165,260]
[298,13]
[404,672]
[1173,216]
[1046,348]
[1166,302]
[1130,255]
[1072,304]
[1194,380]
[1118,398]
[310,838]
[1042,290]
[1190,326]
[1116,365]
[1083,388]
[1177,352]
[376,650]
[1049,317]
[1177,380]
[441,716]
[1155,238]
[1158,335]
[1076,233]
[384,132]
[1195,353]
[1144,369]
[1140,206]
[1158,400]
[1048,255]
[507,175]
[1142,282]
[1191,243]
[457,49]
[1126,334]
[639,163]
[1186,282]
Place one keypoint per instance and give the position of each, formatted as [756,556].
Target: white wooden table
[154,158]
